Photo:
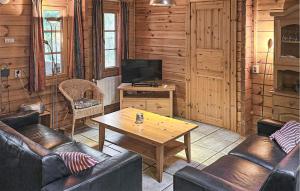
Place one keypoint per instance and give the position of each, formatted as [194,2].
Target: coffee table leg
[159,162]
[187,142]
[101,136]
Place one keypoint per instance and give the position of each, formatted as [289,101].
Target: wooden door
[210,68]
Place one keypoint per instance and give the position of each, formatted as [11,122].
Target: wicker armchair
[76,89]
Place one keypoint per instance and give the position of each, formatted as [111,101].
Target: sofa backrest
[25,165]
[20,167]
[286,173]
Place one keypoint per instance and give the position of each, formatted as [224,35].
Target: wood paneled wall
[245,55]
[264,25]
[160,33]
[163,32]
[15,21]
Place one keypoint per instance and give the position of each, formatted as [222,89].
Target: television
[142,71]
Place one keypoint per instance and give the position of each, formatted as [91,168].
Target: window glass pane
[110,58]
[110,40]
[54,25]
[48,63]
[109,21]
[54,41]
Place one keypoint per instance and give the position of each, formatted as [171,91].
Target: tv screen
[139,71]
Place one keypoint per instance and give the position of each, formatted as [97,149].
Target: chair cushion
[79,147]
[77,162]
[239,172]
[85,103]
[288,136]
[260,150]
[44,136]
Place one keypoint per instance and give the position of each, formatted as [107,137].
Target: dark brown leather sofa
[28,161]
[256,164]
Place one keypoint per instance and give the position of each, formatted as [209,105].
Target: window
[54,34]
[110,39]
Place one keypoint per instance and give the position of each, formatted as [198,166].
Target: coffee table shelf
[146,150]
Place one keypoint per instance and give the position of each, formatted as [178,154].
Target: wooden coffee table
[155,139]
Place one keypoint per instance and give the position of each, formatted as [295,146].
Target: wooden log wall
[245,60]
[264,30]
[15,22]
[163,32]
[160,33]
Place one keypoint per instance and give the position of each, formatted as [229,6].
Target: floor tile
[233,145]
[109,151]
[173,164]
[170,188]
[226,135]
[195,136]
[84,140]
[151,184]
[201,167]
[199,154]
[213,143]
[213,159]
[206,129]
[117,148]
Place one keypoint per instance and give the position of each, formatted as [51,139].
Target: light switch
[9,40]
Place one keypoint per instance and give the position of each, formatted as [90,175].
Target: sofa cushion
[44,136]
[288,136]
[79,147]
[85,103]
[239,172]
[260,150]
[54,168]
[285,176]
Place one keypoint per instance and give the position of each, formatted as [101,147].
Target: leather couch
[256,164]
[28,161]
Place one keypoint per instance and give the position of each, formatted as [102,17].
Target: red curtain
[98,41]
[37,57]
[76,42]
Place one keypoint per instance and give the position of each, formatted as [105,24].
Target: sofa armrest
[192,179]
[267,127]
[21,119]
[119,173]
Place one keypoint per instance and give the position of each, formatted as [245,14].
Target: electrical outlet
[255,69]
[9,40]
[18,74]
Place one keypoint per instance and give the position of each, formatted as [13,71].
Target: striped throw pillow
[77,161]
[288,136]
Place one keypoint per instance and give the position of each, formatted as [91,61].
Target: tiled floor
[209,143]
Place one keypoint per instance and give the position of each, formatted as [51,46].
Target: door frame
[233,63]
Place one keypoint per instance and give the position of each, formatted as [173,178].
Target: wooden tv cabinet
[158,100]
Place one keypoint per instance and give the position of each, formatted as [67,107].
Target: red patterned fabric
[77,161]
[37,80]
[288,136]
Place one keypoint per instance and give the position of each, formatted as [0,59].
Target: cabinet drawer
[285,114]
[288,102]
[161,107]
[134,104]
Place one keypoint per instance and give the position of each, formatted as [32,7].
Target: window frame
[113,7]
[63,7]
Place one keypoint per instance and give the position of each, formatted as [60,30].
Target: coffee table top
[156,129]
